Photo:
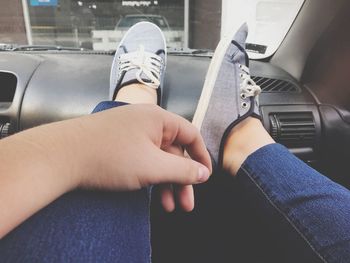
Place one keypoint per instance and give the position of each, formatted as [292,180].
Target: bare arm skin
[122,149]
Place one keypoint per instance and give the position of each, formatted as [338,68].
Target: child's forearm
[35,169]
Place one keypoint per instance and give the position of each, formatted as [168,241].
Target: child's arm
[118,149]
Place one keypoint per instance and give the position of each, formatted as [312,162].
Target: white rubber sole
[210,80]
[113,77]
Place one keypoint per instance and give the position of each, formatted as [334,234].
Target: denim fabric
[310,211]
[105,105]
[85,226]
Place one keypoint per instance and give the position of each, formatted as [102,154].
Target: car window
[100,24]
[130,21]
[268,22]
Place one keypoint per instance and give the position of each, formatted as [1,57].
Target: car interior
[305,105]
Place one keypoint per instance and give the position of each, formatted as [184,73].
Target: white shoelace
[148,63]
[248,86]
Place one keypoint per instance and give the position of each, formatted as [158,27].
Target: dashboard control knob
[274,127]
[4,130]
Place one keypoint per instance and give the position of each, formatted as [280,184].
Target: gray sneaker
[229,94]
[139,58]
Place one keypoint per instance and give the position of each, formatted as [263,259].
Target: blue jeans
[310,212]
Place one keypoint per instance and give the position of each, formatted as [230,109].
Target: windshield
[100,24]
[268,22]
[129,21]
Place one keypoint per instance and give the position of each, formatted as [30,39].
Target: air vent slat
[293,129]
[299,125]
[272,84]
[292,135]
[287,88]
[275,85]
[264,82]
[290,88]
[280,86]
[289,135]
[260,81]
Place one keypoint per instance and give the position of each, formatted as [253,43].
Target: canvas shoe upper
[229,94]
[139,58]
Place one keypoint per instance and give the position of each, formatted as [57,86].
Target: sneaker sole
[113,78]
[210,81]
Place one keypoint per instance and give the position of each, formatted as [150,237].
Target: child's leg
[309,211]
[130,94]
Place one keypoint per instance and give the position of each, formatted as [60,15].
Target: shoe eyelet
[239,65]
[244,105]
[243,96]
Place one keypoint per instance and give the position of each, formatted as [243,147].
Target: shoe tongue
[241,35]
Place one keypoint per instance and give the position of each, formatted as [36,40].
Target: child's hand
[135,146]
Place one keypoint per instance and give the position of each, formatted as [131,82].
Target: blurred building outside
[93,24]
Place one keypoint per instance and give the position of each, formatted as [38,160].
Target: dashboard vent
[8,84]
[293,129]
[275,85]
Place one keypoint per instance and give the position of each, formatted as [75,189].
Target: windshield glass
[268,22]
[100,24]
[129,21]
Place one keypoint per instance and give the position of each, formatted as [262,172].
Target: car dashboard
[43,87]
[39,87]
